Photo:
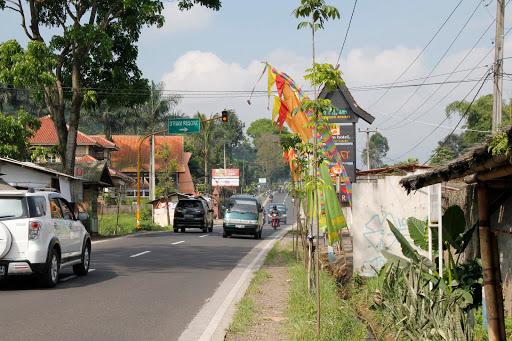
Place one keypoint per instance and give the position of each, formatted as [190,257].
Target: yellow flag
[271,80]
[275,108]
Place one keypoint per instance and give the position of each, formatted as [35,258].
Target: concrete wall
[373,204]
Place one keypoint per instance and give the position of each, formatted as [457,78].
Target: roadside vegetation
[108,224]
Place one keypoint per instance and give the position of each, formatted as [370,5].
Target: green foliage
[419,313]
[455,222]
[500,144]
[338,320]
[165,184]
[379,148]
[107,224]
[418,231]
[317,11]
[324,75]
[262,126]
[15,133]
[478,122]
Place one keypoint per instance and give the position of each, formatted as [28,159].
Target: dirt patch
[270,301]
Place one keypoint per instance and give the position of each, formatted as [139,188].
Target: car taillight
[33,229]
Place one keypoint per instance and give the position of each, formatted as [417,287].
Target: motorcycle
[274,220]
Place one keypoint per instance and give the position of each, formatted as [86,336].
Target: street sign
[184,126]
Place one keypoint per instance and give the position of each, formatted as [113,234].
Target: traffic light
[224,116]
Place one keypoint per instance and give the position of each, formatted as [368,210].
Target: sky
[217,51]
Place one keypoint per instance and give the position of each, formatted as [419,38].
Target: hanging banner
[226,177]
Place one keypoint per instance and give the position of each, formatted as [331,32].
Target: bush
[148,225]
[107,224]
[338,320]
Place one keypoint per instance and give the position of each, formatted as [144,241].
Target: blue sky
[204,50]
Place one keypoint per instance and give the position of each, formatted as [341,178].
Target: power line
[446,118]
[420,53]
[445,53]
[346,32]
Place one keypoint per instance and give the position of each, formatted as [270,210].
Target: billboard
[262,181]
[226,177]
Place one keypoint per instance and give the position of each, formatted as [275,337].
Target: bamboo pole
[492,296]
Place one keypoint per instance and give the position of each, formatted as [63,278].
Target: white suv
[40,234]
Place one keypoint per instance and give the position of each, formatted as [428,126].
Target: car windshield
[189,204]
[242,206]
[12,208]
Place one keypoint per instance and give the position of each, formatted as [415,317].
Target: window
[67,212]
[240,205]
[190,204]
[12,208]
[55,209]
[37,206]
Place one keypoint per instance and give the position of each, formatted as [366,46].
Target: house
[125,160]
[88,147]
[20,174]
[489,188]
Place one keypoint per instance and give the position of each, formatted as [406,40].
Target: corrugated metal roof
[36,167]
[125,159]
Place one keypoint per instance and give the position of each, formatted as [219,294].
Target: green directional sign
[184,126]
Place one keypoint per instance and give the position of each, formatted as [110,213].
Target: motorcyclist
[274,211]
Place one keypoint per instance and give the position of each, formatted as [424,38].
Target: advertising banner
[226,177]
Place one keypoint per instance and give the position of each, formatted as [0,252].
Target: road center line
[139,254]
[176,243]
[204,235]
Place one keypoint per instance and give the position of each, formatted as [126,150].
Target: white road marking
[176,243]
[139,254]
[65,279]
[204,235]
[91,270]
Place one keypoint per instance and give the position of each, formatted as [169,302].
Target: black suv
[193,213]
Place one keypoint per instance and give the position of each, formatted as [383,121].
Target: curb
[215,316]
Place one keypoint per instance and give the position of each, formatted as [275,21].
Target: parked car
[193,213]
[40,234]
[243,215]
[282,212]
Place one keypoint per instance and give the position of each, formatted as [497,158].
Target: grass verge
[338,319]
[246,308]
[127,224]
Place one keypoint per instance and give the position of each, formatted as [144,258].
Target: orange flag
[298,123]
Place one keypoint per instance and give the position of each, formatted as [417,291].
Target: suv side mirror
[83,216]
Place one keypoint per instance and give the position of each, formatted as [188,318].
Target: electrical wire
[419,54]
[484,78]
[346,33]
[439,61]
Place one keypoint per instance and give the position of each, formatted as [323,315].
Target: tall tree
[477,122]
[269,156]
[379,148]
[85,41]
[262,126]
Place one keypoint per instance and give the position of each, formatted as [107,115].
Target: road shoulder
[216,314]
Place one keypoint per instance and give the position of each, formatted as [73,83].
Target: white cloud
[195,19]
[196,70]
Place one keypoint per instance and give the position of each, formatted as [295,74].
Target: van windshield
[12,208]
[242,206]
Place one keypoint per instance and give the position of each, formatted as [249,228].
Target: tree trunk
[74,118]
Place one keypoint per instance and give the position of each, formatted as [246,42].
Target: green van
[243,215]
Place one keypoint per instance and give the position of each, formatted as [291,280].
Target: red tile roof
[104,142]
[85,158]
[125,159]
[47,135]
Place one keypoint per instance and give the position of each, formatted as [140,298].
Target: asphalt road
[142,287]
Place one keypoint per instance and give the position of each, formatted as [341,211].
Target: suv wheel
[50,277]
[82,269]
[175,230]
[210,229]
[182,230]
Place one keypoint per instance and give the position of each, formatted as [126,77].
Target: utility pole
[498,66]
[367,131]
[224,156]
[152,159]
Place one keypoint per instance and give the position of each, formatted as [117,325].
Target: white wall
[161,214]
[373,204]
[20,176]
